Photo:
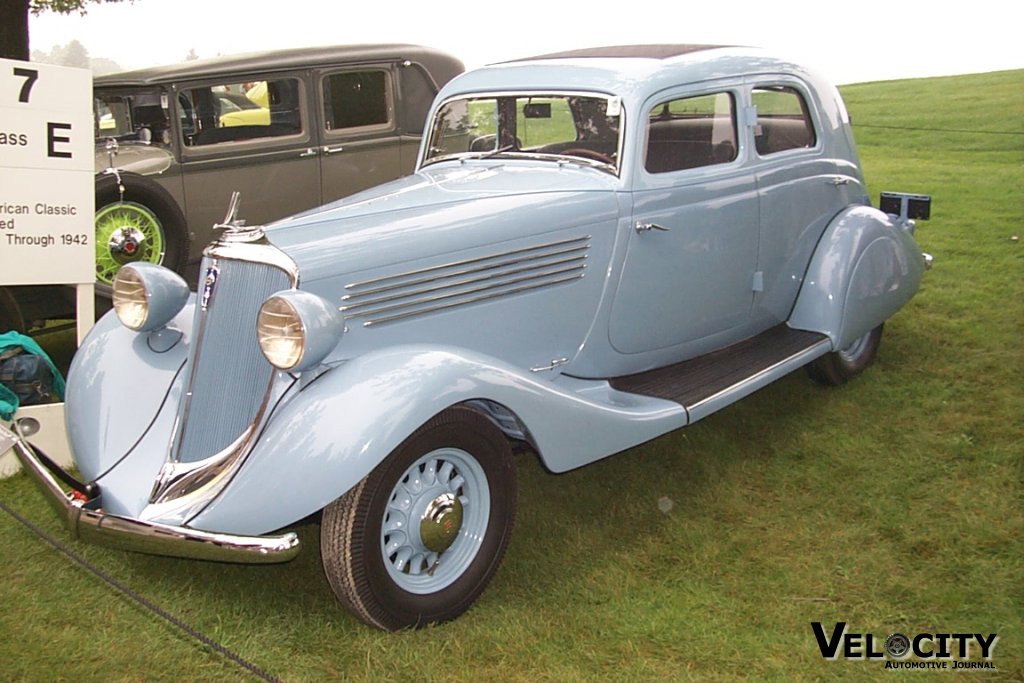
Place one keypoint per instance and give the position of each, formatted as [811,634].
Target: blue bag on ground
[27,375]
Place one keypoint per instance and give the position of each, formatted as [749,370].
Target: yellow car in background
[242,109]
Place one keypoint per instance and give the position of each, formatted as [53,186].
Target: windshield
[582,128]
[139,116]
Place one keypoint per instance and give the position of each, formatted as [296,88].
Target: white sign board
[47,191]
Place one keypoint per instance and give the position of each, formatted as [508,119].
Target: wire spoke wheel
[126,232]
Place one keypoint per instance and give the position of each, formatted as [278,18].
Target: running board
[708,383]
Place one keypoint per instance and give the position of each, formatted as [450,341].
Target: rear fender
[343,424]
[864,269]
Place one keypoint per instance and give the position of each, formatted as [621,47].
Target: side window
[783,120]
[229,112]
[357,100]
[691,132]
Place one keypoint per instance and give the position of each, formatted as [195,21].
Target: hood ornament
[112,149]
[234,227]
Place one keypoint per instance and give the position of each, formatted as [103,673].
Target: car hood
[444,210]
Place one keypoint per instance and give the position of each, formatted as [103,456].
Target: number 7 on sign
[30,76]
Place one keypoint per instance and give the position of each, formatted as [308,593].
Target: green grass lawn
[892,503]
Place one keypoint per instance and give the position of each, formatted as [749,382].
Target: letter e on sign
[47,160]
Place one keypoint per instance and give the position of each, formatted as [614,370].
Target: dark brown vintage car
[289,129]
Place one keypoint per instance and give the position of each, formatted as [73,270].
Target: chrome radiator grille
[228,375]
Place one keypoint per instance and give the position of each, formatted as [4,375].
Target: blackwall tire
[841,366]
[417,541]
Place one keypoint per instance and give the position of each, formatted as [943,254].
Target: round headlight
[280,333]
[296,330]
[147,296]
[130,300]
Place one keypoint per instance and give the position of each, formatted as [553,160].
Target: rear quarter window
[783,120]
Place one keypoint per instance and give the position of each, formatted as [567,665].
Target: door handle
[310,152]
[332,150]
[647,227]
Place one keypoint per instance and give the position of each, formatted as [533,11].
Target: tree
[14,21]
[76,55]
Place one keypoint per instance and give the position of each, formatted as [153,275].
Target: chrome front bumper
[85,519]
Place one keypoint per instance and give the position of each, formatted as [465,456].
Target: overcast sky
[848,42]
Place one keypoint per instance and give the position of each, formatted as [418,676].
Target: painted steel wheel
[126,232]
[418,540]
[843,365]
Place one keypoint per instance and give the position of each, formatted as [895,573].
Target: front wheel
[418,540]
[843,365]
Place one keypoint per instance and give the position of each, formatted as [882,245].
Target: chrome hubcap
[126,241]
[435,521]
[441,522]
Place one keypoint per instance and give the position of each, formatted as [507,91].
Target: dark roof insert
[664,51]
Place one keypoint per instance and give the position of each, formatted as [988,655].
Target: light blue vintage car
[596,248]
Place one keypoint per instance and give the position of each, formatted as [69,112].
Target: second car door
[251,135]
[360,144]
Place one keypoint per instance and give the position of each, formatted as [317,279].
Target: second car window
[229,112]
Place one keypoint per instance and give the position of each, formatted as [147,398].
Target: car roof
[630,71]
[440,64]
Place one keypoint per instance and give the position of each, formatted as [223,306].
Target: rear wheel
[418,540]
[843,365]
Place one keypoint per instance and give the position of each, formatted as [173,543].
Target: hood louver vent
[450,285]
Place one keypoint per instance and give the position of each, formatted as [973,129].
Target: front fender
[117,385]
[864,269]
[340,426]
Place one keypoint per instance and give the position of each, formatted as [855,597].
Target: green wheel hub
[126,232]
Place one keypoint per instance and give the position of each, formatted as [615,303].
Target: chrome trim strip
[464,262]
[261,251]
[542,279]
[447,285]
[88,522]
[423,159]
[485,297]
[573,263]
[182,488]
[575,252]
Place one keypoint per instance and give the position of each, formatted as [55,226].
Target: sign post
[47,197]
